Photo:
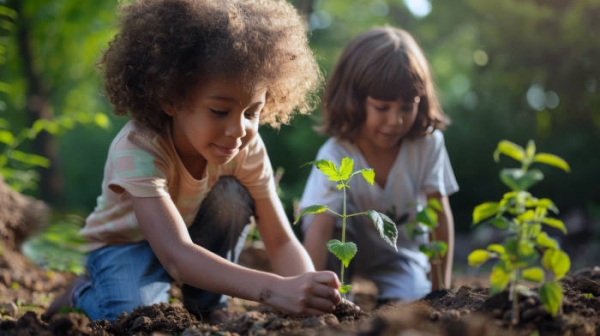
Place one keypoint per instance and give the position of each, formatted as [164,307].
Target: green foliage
[58,247]
[426,221]
[18,167]
[522,216]
[345,251]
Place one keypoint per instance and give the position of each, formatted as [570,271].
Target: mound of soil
[466,309]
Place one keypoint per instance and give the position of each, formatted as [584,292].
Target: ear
[169,109]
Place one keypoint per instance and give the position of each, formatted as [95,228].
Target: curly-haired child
[380,108]
[185,175]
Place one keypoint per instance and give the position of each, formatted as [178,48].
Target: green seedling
[345,251]
[526,245]
[426,221]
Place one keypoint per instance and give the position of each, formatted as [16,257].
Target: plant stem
[513,296]
[342,268]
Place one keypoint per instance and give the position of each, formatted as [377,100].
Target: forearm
[220,275]
[292,259]
[445,233]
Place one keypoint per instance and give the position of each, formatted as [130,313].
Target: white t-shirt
[142,163]
[421,167]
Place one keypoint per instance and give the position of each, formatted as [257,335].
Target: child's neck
[380,159]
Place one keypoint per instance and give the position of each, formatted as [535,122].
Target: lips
[226,150]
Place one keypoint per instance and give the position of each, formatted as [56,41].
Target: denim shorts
[124,277]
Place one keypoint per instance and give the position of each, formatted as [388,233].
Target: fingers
[328,278]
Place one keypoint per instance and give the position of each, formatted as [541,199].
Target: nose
[395,117]
[236,127]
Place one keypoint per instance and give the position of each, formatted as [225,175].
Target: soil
[466,309]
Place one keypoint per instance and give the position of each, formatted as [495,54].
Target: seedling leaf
[328,168]
[428,217]
[509,149]
[435,204]
[346,168]
[345,289]
[478,257]
[551,296]
[543,240]
[552,160]
[557,262]
[311,210]
[499,279]
[369,175]
[497,248]
[343,251]
[534,274]
[555,223]
[518,180]
[385,226]
[530,150]
[484,210]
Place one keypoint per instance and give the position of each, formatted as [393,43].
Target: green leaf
[499,279]
[369,175]
[31,159]
[509,149]
[499,222]
[484,210]
[7,137]
[434,203]
[552,160]
[428,217]
[345,289]
[440,247]
[345,252]
[518,180]
[427,250]
[385,226]
[328,168]
[496,248]
[543,240]
[346,168]
[530,150]
[101,120]
[478,257]
[311,210]
[557,262]
[533,274]
[548,204]
[551,295]
[555,223]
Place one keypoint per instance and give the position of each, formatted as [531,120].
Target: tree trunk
[51,187]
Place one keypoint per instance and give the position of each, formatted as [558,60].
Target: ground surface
[466,310]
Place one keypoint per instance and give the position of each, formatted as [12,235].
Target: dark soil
[466,309]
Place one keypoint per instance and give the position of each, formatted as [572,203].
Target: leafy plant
[16,166]
[345,251]
[426,221]
[522,215]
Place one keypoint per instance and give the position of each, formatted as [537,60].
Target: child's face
[218,120]
[387,122]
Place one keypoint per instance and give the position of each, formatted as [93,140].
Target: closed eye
[219,113]
[381,108]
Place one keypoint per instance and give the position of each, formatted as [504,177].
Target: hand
[309,294]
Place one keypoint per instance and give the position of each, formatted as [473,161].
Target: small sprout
[345,251]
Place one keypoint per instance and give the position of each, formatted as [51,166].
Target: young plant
[345,251]
[522,215]
[425,223]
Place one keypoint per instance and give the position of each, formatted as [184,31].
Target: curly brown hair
[384,63]
[166,47]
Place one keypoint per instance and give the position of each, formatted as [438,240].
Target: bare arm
[316,237]
[444,232]
[286,254]
[308,294]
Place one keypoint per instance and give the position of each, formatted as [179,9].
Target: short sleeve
[137,166]
[255,171]
[439,175]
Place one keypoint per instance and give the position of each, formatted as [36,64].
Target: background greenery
[505,69]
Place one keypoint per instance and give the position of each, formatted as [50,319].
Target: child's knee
[229,201]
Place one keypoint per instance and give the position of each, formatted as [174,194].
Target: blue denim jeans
[124,277]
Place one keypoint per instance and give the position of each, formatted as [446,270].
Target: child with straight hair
[185,175]
[380,108]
